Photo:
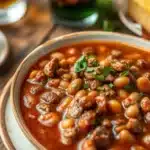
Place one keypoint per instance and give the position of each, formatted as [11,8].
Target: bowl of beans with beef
[85,91]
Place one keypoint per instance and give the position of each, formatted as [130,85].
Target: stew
[89,96]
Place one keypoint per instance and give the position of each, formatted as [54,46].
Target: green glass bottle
[75,13]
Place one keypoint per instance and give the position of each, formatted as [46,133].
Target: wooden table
[35,28]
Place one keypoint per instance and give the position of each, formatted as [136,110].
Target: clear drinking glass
[11,10]
[75,13]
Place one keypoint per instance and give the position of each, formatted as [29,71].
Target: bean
[33,74]
[71,60]
[74,86]
[126,137]
[137,147]
[64,104]
[67,77]
[80,94]
[72,51]
[67,123]
[57,55]
[29,101]
[114,106]
[135,96]
[88,145]
[145,104]
[43,63]
[132,111]
[90,99]
[63,63]
[123,94]
[49,119]
[143,84]
[92,94]
[64,84]
[104,63]
[120,82]
[146,140]
[74,75]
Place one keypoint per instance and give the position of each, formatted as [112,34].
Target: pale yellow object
[139,10]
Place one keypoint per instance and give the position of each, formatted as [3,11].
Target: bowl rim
[18,116]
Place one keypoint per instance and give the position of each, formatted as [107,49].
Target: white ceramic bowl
[51,46]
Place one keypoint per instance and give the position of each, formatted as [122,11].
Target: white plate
[10,132]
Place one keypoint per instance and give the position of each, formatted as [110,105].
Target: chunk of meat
[62,71]
[88,75]
[88,51]
[49,119]
[68,131]
[49,98]
[147,75]
[101,136]
[143,64]
[86,121]
[50,68]
[107,91]
[29,101]
[92,62]
[118,66]
[147,117]
[35,89]
[68,135]
[59,92]
[101,104]
[110,78]
[145,104]
[74,110]
[43,108]
[94,84]
[107,123]
[53,83]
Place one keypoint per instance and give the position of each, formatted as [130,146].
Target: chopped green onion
[130,87]
[111,85]
[81,64]
[107,70]
[86,86]
[100,77]
[95,63]
[125,73]
[90,69]
[91,56]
